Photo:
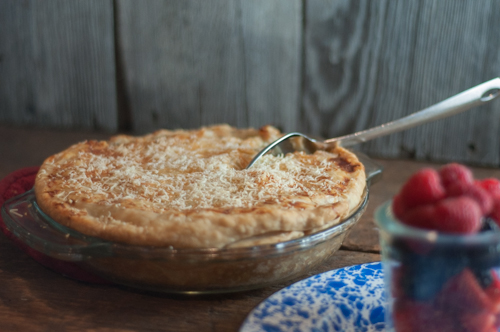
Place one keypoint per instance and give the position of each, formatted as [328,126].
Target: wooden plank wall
[57,64]
[319,66]
[233,61]
[370,62]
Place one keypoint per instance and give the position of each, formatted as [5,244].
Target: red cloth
[17,183]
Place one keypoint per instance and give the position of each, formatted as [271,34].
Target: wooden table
[33,298]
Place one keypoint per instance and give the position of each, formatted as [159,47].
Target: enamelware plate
[346,299]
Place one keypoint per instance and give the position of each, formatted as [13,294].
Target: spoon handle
[476,96]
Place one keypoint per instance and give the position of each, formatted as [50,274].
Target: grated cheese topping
[186,172]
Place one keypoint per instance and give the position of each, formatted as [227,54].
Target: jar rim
[389,225]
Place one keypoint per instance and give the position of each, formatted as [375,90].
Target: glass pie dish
[189,271]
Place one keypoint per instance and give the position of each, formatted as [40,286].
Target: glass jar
[439,282]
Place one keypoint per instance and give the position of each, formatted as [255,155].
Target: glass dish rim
[95,247]
[386,222]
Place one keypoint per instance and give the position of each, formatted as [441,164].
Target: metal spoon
[476,96]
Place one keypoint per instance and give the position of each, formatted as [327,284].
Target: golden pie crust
[189,189]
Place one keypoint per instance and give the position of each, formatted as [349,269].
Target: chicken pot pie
[190,189]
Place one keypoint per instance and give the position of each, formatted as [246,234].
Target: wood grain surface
[192,63]
[38,299]
[57,64]
[323,67]
[370,62]
[34,298]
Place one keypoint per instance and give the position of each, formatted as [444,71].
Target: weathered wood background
[326,67]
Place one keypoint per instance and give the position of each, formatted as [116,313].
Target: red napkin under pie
[18,183]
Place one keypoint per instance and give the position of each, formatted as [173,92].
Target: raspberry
[462,293]
[440,193]
[404,316]
[423,187]
[495,212]
[481,196]
[480,322]
[398,207]
[423,216]
[491,185]
[493,292]
[460,215]
[416,316]
[453,173]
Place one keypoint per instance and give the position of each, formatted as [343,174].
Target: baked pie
[190,189]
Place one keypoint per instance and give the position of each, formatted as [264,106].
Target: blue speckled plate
[347,299]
